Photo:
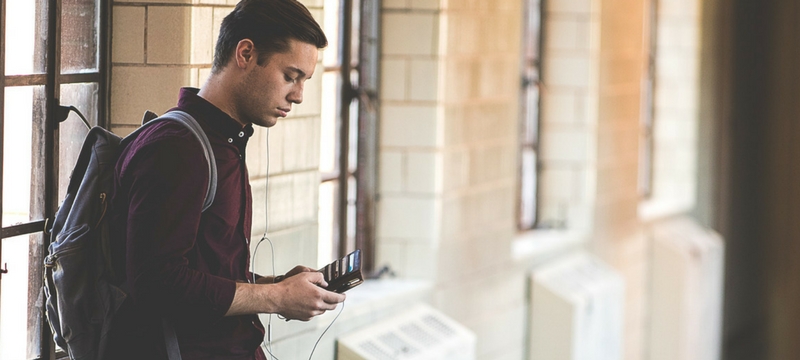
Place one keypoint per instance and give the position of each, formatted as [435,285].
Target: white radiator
[687,288]
[576,310]
[420,333]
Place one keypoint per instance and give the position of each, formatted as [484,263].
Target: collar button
[241,134]
[230,140]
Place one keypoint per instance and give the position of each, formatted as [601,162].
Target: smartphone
[344,274]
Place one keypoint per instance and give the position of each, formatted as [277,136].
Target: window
[529,113]
[54,52]
[348,146]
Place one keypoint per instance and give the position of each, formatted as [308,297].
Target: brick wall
[593,66]
[410,139]
[571,52]
[676,110]
[450,75]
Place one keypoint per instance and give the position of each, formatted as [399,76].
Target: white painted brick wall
[423,84]
[409,33]
[128,34]
[179,35]
[675,108]
[394,79]
[133,92]
[409,126]
[406,217]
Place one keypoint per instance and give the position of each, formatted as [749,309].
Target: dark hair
[269,24]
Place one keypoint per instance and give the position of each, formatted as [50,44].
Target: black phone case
[343,274]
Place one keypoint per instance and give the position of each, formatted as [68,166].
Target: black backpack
[81,295]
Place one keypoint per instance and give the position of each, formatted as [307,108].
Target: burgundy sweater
[183,263]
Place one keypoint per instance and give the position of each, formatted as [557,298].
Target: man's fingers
[333,298]
[299,269]
[317,279]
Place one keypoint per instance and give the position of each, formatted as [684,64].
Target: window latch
[4,270]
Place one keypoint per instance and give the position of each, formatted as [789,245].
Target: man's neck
[212,91]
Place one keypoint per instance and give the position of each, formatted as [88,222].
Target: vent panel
[420,333]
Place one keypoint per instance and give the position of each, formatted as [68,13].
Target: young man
[191,266]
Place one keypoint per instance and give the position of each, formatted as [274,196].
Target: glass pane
[355,35]
[330,56]
[533,29]
[351,215]
[646,164]
[14,299]
[25,19]
[352,156]
[79,35]
[327,201]
[528,181]
[73,130]
[330,112]
[23,104]
[531,113]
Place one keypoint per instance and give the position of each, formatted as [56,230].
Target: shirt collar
[214,117]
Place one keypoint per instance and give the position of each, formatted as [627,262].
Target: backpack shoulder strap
[190,123]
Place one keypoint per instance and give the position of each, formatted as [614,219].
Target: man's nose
[296,96]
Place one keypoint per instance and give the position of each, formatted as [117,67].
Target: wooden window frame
[45,142]
[647,121]
[530,117]
[364,92]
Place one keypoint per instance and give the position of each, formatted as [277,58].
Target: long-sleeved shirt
[182,263]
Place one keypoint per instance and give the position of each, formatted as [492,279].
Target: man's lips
[284,111]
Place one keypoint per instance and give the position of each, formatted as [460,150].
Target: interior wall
[617,235]
[750,92]
[731,176]
[780,232]
[477,283]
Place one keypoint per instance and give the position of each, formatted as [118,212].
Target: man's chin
[267,122]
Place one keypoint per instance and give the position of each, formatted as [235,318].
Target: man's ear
[245,53]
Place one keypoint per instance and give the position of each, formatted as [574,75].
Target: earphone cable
[267,343]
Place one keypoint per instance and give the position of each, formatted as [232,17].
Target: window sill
[651,210]
[378,298]
[535,246]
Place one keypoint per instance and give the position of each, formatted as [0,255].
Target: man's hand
[301,295]
[274,279]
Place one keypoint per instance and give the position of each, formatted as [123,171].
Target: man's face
[268,92]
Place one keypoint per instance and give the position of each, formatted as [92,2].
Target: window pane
[72,131]
[79,35]
[531,114]
[351,215]
[330,56]
[14,299]
[532,29]
[529,138]
[355,34]
[25,49]
[528,189]
[352,156]
[330,112]
[327,227]
[23,104]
